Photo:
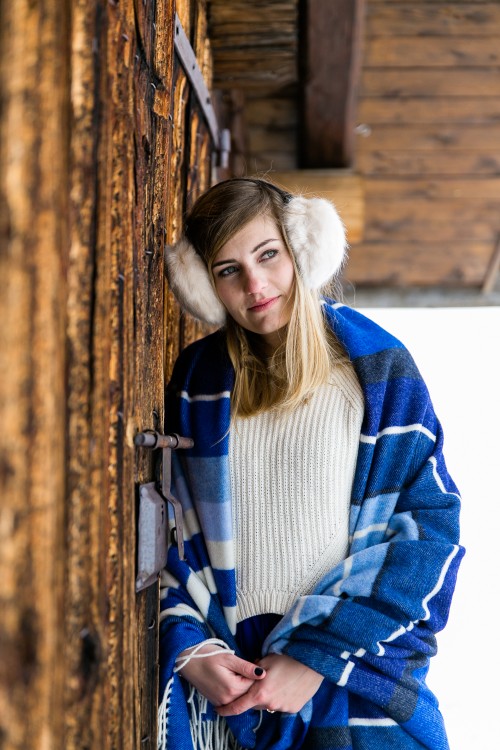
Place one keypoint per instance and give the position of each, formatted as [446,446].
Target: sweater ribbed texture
[280,464]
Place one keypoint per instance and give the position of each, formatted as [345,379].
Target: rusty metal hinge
[152,542]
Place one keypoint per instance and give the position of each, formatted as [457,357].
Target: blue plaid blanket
[369,626]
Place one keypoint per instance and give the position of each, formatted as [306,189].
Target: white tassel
[222,647]
[208,735]
[163,716]
[205,734]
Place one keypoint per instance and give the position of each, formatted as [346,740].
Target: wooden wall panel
[482,81]
[33,261]
[413,164]
[478,189]
[447,111]
[404,221]
[84,648]
[254,44]
[460,52]
[256,61]
[152,107]
[198,178]
[115,381]
[412,264]
[85,181]
[177,185]
[434,19]
[428,142]
[190,170]
[430,137]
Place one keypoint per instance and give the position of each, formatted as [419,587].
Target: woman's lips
[263,304]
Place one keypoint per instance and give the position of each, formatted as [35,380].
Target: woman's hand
[287,686]
[222,677]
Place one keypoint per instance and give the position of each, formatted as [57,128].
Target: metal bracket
[153,496]
[187,58]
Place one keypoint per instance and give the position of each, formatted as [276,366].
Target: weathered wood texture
[256,59]
[429,143]
[254,44]
[87,183]
[33,261]
[331,60]
[428,109]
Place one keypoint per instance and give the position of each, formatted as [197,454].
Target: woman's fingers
[222,677]
[251,699]
[287,686]
[246,668]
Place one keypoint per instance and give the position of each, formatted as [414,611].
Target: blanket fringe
[208,734]
[205,734]
[163,716]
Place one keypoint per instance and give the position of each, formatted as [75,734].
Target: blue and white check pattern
[369,626]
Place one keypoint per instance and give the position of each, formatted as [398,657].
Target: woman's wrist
[202,650]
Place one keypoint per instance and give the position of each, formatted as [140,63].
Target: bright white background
[458,353]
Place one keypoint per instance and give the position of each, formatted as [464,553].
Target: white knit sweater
[281,463]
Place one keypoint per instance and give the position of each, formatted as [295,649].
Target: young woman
[320,523]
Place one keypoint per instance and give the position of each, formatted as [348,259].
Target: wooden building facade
[103,144]
[104,141]
[415,86]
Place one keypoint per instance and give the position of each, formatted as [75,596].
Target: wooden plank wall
[88,198]
[255,50]
[191,165]
[429,143]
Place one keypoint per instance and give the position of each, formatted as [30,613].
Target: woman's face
[254,278]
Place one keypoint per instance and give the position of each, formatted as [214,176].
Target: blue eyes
[231,270]
[228,271]
[269,254]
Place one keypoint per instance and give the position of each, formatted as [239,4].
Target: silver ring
[269,711]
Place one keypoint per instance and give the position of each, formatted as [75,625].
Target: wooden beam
[331,54]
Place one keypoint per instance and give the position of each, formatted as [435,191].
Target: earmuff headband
[315,235]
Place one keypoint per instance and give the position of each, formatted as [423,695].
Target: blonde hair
[304,359]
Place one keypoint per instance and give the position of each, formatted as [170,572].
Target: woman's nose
[254,281]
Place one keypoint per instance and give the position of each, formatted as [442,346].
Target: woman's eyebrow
[257,247]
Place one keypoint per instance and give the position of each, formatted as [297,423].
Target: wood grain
[481,19]
[34,240]
[430,82]
[428,140]
[423,110]
[448,188]
[254,44]
[399,163]
[84,179]
[404,264]
[438,220]
[443,138]
[417,51]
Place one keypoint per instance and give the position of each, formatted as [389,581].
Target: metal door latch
[153,496]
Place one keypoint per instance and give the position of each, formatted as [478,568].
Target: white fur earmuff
[316,236]
[191,285]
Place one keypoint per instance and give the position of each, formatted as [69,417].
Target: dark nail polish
[258,671]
